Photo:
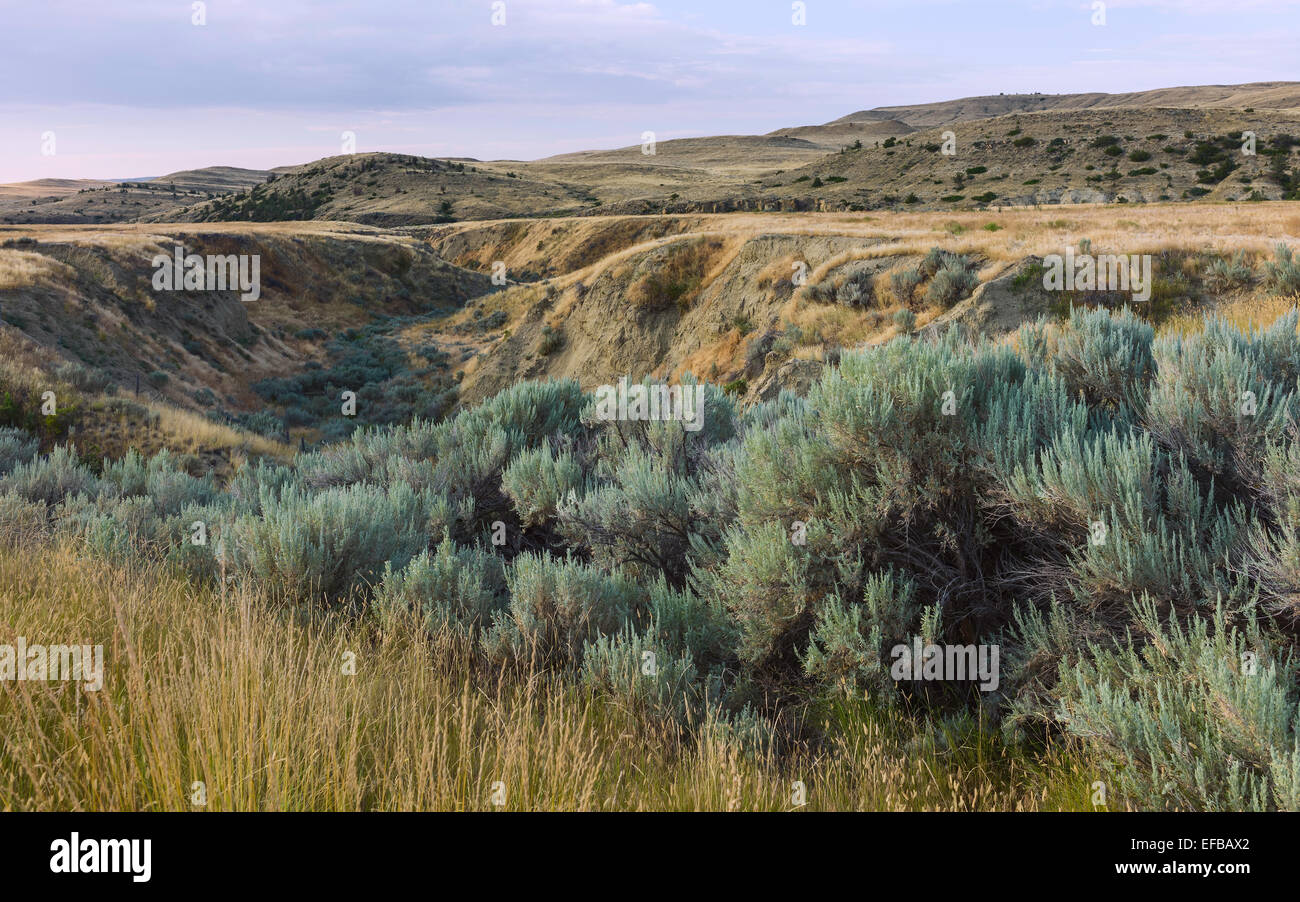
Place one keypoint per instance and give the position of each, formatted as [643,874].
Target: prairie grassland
[255,703]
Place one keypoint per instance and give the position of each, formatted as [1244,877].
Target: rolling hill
[1170,144]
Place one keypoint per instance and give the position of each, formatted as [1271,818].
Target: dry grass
[23,363]
[23,269]
[186,431]
[714,358]
[1023,231]
[132,235]
[1254,310]
[256,704]
[679,277]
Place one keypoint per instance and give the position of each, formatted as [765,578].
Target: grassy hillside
[389,190]
[1096,156]
[713,295]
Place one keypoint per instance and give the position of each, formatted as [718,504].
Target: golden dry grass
[256,704]
[23,363]
[1252,310]
[184,430]
[23,269]
[1131,228]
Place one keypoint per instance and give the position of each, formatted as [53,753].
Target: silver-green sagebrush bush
[538,480]
[50,479]
[16,447]
[331,544]
[845,644]
[1223,394]
[1283,274]
[636,668]
[558,606]
[1106,357]
[452,588]
[1118,513]
[1201,716]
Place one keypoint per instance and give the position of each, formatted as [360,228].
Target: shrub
[116,528]
[851,293]
[159,480]
[1106,357]
[1191,726]
[1222,395]
[640,517]
[1282,275]
[552,340]
[85,379]
[557,607]
[824,493]
[538,480]
[1236,272]
[51,479]
[640,672]
[905,283]
[16,447]
[848,644]
[329,546]
[950,284]
[264,423]
[455,588]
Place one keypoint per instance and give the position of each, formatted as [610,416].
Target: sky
[140,88]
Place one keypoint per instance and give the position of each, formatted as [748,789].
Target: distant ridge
[1266,95]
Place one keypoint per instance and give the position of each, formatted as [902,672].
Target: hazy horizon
[261,88]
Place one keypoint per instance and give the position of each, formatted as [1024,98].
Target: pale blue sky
[131,88]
